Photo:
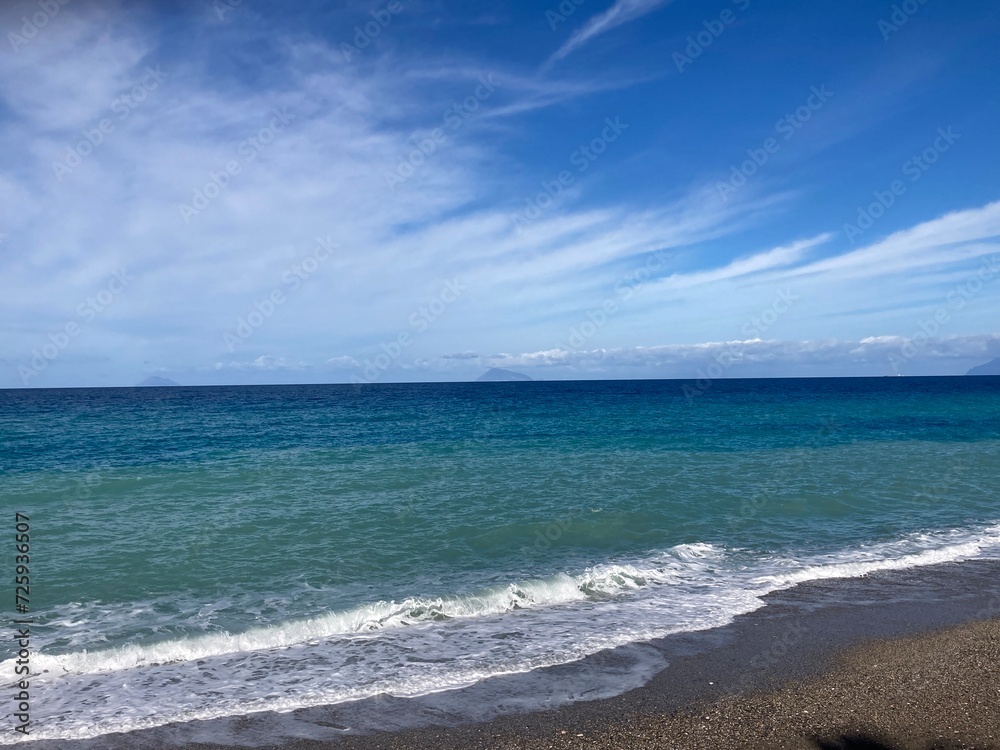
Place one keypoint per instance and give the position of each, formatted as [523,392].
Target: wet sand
[940,690]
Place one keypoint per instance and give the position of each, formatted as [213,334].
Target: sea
[211,553]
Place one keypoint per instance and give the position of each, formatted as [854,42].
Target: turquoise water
[209,552]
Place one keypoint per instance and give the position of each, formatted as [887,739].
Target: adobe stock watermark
[452,118]
[292,279]
[756,327]
[915,167]
[781,304]
[419,321]
[122,107]
[562,12]
[249,149]
[786,127]
[224,7]
[581,158]
[549,535]
[553,531]
[713,28]
[84,485]
[482,427]
[87,311]
[48,9]
[957,298]
[944,481]
[786,474]
[901,13]
[628,285]
[762,663]
[363,35]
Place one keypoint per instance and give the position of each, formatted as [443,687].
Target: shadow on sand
[853,742]
[867,742]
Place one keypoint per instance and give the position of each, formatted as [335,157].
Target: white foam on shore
[911,552]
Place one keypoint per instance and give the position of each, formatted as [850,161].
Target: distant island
[496,374]
[990,368]
[156,381]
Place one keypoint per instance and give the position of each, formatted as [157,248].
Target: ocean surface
[199,553]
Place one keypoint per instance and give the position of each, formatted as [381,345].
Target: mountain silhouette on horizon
[155,380]
[990,368]
[497,374]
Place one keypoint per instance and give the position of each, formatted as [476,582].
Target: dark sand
[940,690]
[906,659]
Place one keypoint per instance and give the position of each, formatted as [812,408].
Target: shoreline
[935,691]
[921,670]
[806,647]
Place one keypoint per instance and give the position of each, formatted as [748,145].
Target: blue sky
[243,191]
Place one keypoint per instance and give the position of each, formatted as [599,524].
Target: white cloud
[342,362]
[770,259]
[264,362]
[740,356]
[621,12]
[951,238]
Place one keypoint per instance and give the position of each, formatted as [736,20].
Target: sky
[245,191]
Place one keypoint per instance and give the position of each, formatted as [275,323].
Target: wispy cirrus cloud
[779,257]
[620,13]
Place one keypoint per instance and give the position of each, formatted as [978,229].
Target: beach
[827,677]
[940,690]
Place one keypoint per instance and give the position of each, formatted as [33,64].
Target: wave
[690,564]
[596,582]
[914,551]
